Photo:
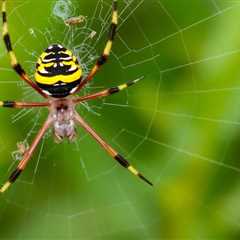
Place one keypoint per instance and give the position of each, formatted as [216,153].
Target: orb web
[167,125]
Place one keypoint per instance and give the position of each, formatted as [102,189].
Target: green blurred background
[179,125]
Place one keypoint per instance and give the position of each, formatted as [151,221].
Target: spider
[58,76]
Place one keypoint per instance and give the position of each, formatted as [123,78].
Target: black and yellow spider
[58,76]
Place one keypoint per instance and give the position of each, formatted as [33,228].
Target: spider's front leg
[113,153]
[27,156]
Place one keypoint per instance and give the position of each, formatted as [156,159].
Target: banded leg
[14,63]
[106,92]
[114,154]
[14,104]
[26,157]
[106,52]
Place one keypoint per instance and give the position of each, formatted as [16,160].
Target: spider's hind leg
[17,67]
[107,50]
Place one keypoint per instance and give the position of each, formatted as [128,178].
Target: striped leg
[105,92]
[106,52]
[26,157]
[14,63]
[14,104]
[114,154]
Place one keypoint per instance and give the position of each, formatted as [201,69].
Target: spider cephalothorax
[58,72]
[62,113]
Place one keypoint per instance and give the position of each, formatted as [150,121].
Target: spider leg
[26,157]
[14,62]
[14,104]
[106,92]
[106,52]
[113,153]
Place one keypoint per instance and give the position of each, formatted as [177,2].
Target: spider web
[179,125]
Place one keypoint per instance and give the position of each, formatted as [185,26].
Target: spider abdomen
[58,72]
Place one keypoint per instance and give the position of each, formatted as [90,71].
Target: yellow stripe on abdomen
[54,79]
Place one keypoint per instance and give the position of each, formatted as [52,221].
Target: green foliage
[179,126]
